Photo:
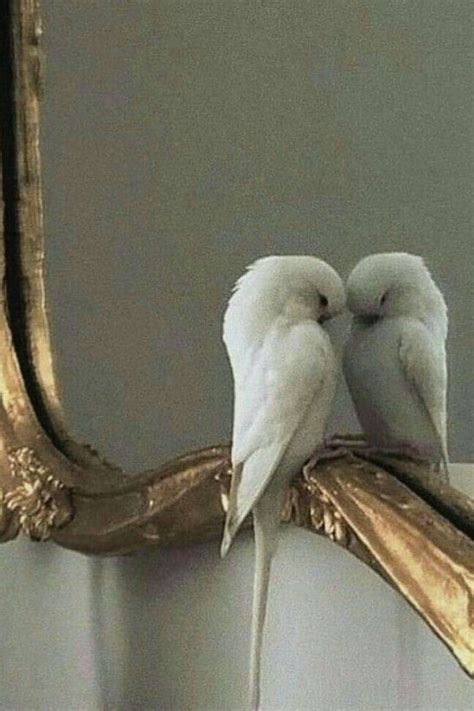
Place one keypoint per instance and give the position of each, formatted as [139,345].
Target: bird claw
[348,441]
[326,452]
[402,451]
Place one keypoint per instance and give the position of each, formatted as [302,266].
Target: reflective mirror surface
[182,140]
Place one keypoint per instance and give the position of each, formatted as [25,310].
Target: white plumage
[285,375]
[395,358]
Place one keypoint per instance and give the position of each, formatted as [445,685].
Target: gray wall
[181,140]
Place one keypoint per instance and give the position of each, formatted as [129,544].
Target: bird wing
[424,363]
[283,377]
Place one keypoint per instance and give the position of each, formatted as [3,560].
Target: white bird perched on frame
[395,359]
[285,377]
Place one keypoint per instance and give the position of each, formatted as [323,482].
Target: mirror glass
[183,139]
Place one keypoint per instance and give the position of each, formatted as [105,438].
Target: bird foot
[329,450]
[348,441]
[402,451]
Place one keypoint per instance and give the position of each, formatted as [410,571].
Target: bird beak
[324,317]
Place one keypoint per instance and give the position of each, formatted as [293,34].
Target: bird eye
[323,300]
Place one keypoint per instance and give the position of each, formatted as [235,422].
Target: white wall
[169,631]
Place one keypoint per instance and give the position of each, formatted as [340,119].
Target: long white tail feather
[266,520]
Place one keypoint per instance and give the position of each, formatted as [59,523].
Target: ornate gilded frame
[415,532]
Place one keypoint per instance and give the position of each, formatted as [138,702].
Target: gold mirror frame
[415,532]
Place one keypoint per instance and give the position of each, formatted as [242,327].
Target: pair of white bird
[285,376]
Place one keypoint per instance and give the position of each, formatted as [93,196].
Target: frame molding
[412,530]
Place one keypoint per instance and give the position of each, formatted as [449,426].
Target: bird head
[300,284]
[299,287]
[394,284]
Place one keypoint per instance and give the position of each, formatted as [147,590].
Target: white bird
[285,376]
[395,359]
